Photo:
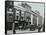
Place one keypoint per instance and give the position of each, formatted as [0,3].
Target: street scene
[23,17]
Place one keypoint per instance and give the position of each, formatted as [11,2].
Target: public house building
[20,14]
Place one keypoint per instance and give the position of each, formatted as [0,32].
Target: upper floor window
[10,9]
[34,19]
[17,15]
[22,16]
[22,13]
[28,17]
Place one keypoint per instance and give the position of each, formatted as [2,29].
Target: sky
[35,6]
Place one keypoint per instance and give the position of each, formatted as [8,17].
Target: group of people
[40,28]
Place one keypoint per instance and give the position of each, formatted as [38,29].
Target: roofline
[26,1]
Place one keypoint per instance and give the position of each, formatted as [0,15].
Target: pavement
[22,31]
[25,31]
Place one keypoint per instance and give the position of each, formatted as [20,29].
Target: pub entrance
[20,25]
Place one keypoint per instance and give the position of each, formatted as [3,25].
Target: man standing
[39,27]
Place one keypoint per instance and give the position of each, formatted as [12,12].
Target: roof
[20,8]
[25,4]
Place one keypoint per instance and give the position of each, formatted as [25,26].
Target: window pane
[22,15]
[28,17]
[17,15]
[34,19]
[9,15]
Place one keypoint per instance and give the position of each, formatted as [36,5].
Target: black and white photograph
[24,17]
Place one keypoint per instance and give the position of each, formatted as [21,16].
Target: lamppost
[14,12]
